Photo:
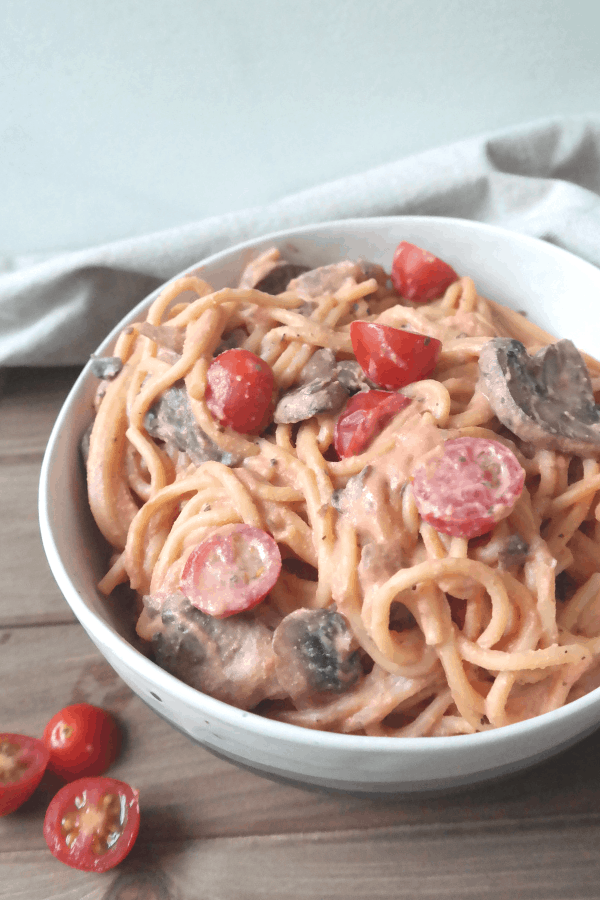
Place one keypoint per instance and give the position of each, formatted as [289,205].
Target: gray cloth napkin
[541,179]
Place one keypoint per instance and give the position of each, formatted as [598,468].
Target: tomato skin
[23,761]
[364,416]
[391,357]
[231,571]
[240,391]
[87,850]
[418,275]
[82,740]
[468,485]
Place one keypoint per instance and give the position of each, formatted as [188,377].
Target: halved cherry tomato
[391,357]
[468,485]
[240,391]
[92,823]
[23,761]
[363,418]
[231,571]
[419,275]
[82,740]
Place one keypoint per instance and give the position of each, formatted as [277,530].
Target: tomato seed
[11,768]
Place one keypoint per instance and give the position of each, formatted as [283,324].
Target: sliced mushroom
[316,654]
[269,273]
[277,280]
[351,375]
[106,367]
[320,390]
[546,399]
[322,364]
[171,420]
[233,340]
[514,552]
[318,396]
[231,659]
[343,499]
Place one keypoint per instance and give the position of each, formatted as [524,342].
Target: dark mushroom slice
[373,270]
[320,390]
[231,341]
[230,659]
[317,654]
[277,280]
[106,367]
[513,552]
[269,273]
[344,499]
[171,420]
[546,399]
[322,364]
[318,396]
[351,375]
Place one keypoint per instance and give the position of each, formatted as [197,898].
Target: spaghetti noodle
[412,631]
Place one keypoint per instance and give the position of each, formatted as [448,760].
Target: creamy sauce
[373,499]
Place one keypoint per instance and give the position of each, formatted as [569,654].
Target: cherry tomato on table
[363,418]
[418,275]
[468,485]
[391,357]
[240,391]
[91,824]
[23,761]
[82,740]
[232,570]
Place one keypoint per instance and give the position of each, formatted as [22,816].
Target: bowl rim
[230,715]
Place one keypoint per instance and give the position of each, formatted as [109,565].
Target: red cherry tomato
[419,275]
[82,740]
[468,485]
[391,357]
[23,761]
[92,823]
[240,391]
[231,571]
[363,418]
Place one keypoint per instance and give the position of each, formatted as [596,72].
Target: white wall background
[119,117]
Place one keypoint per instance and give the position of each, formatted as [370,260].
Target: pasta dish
[353,500]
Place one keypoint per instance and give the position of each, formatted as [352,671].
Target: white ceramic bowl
[560,292]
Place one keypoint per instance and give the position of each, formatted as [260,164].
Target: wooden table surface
[211,830]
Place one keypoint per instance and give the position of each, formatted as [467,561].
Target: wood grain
[388,864]
[30,400]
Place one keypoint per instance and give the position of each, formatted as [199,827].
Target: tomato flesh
[391,357]
[418,275]
[23,761]
[240,391]
[92,823]
[231,571]
[82,740]
[468,485]
[363,418]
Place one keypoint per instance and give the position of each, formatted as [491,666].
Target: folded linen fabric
[542,179]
